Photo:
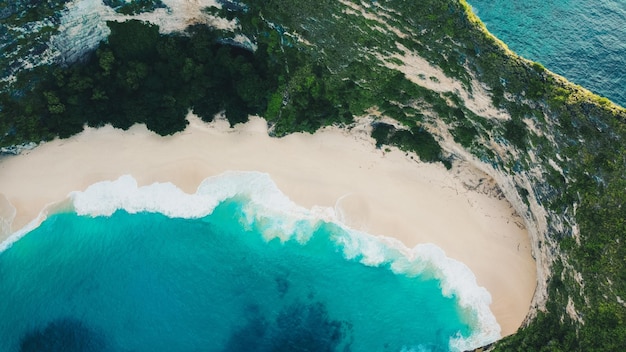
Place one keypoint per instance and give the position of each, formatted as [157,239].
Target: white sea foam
[428,260]
[268,209]
[21,232]
[104,198]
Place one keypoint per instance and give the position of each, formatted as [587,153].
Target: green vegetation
[318,63]
[416,140]
[134,7]
[515,132]
[465,133]
[22,12]
[139,76]
[154,79]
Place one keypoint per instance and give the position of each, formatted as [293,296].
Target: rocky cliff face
[72,29]
[539,221]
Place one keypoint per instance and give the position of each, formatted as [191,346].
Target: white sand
[383,193]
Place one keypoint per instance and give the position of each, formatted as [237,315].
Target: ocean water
[234,267]
[582,40]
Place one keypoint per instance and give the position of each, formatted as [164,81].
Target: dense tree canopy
[140,76]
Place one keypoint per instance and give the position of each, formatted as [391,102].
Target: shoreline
[384,193]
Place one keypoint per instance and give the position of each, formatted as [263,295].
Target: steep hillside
[453,91]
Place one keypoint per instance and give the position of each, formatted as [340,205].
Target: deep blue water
[226,281]
[582,40]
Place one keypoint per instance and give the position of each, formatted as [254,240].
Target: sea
[237,266]
[582,40]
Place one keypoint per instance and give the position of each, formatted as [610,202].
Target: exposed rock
[18,149]
[81,26]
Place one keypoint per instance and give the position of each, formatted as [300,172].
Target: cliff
[555,150]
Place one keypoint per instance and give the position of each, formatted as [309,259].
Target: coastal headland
[384,192]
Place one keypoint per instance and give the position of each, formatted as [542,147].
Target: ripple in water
[583,41]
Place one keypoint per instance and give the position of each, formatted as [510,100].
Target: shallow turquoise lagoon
[245,276]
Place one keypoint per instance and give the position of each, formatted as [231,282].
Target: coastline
[380,192]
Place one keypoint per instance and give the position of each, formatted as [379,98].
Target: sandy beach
[382,192]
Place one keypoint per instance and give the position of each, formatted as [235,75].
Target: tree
[133,40]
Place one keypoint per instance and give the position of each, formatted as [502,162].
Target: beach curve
[382,192]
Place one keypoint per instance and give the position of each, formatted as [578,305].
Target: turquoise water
[239,278]
[583,40]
